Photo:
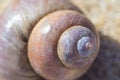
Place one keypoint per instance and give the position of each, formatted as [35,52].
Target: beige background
[105,14]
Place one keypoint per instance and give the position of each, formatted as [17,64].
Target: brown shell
[43,44]
[16,24]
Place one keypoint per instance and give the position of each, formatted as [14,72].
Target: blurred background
[105,15]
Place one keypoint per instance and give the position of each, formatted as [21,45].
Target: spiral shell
[24,58]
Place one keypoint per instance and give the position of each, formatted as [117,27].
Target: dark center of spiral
[85,46]
[89,45]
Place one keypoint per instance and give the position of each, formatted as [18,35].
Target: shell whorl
[54,47]
[16,24]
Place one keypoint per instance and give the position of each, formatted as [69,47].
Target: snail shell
[47,38]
